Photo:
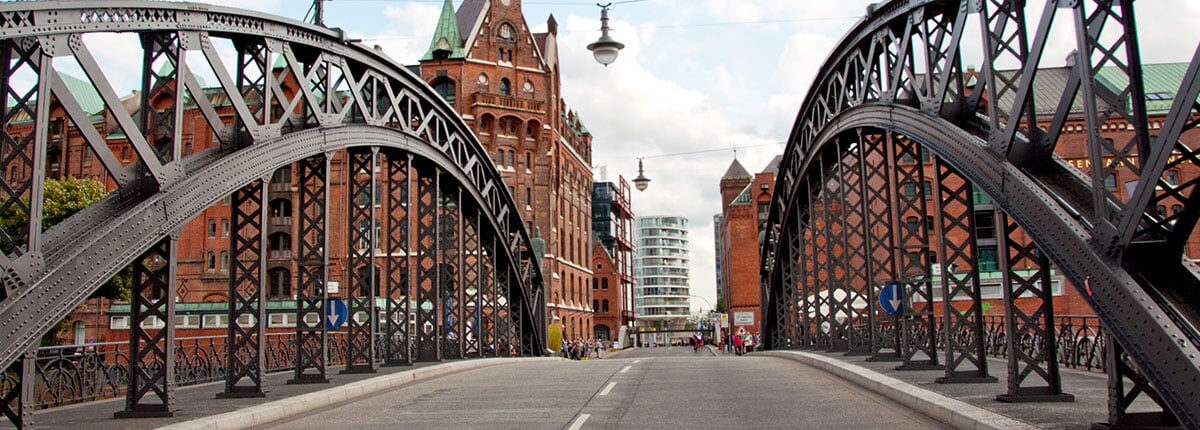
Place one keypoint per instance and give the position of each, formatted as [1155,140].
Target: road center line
[637,361]
[578,424]
[626,369]
[610,386]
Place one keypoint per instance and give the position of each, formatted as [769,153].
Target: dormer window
[505,32]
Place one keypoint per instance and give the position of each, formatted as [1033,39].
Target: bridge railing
[1080,340]
[72,374]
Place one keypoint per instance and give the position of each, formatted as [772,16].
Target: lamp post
[641,181]
[605,49]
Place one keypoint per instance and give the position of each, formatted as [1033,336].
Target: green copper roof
[1161,81]
[84,92]
[446,37]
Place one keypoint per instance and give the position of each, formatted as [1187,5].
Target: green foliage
[720,305]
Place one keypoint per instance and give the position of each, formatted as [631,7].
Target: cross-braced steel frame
[291,94]
[997,193]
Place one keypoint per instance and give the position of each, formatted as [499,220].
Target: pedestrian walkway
[198,407]
[920,390]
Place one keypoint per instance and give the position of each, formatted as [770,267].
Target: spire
[447,41]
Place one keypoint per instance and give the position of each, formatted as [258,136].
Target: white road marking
[637,361]
[626,369]
[578,424]
[610,386]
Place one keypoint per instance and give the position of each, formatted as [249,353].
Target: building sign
[743,318]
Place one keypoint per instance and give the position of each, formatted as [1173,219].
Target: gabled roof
[447,37]
[773,166]
[467,15]
[736,171]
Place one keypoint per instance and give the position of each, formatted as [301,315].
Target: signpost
[335,313]
[891,298]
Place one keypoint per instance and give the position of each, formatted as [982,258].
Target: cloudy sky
[697,79]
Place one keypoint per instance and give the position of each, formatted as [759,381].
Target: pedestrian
[737,344]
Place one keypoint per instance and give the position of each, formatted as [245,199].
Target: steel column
[918,326]
[428,294]
[17,385]
[398,347]
[1121,398]
[244,347]
[312,271]
[450,270]
[362,239]
[472,283]
[1026,274]
[878,188]
[962,322]
[152,350]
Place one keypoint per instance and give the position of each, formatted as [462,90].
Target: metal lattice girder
[877,191]
[504,323]
[1121,398]
[161,122]
[823,270]
[398,348]
[21,154]
[362,240]
[450,270]
[810,297]
[917,325]
[489,324]
[380,101]
[962,304]
[428,286]
[472,283]
[152,334]
[245,357]
[884,75]
[1033,376]
[312,269]
[858,288]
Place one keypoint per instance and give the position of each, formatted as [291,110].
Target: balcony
[508,102]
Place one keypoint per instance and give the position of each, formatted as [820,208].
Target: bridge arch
[296,95]
[895,87]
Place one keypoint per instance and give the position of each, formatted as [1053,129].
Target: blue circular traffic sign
[335,313]
[891,298]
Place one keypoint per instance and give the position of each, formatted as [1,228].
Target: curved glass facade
[662,293]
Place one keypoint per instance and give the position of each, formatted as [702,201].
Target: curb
[284,408]
[935,405]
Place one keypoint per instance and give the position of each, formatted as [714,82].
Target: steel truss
[299,95]
[362,238]
[898,74]
[247,329]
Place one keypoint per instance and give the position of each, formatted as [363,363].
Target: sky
[697,80]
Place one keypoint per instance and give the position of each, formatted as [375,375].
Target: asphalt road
[655,388]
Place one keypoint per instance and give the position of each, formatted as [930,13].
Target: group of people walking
[583,349]
[742,341]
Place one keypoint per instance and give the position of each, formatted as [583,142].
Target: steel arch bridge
[894,108]
[455,253]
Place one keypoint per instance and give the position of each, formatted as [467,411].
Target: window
[152,322]
[212,228]
[281,320]
[985,225]
[1173,178]
[987,259]
[1110,181]
[224,228]
[595,284]
[505,87]
[187,321]
[1176,209]
[604,284]
[210,261]
[1162,211]
[445,88]
[246,320]
[528,161]
[124,153]
[216,321]
[604,306]
[928,188]
[505,32]
[118,323]
[910,223]
[224,260]
[595,305]
[280,283]
[910,190]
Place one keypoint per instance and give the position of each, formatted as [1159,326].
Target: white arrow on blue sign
[335,313]
[891,298]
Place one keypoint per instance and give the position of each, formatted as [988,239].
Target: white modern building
[661,297]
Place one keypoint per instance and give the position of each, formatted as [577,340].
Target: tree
[63,198]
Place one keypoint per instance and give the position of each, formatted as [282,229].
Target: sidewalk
[198,407]
[966,405]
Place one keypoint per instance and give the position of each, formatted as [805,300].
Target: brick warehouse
[744,202]
[541,148]
[504,80]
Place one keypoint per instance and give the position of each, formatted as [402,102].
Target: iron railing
[72,374]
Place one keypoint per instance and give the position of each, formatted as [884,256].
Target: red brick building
[612,258]
[745,200]
[504,80]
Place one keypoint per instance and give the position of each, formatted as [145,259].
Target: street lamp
[641,181]
[606,49]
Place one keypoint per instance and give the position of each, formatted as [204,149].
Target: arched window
[604,284]
[506,32]
[445,88]
[505,87]
[1173,178]
[604,306]
[210,261]
[595,305]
